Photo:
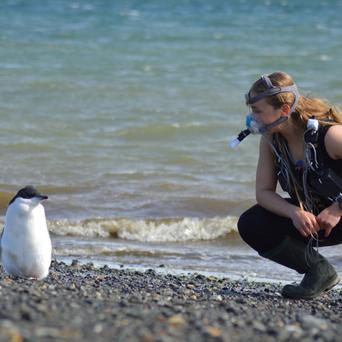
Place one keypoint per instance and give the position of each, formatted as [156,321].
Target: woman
[301,147]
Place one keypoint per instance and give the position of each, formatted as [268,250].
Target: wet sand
[83,303]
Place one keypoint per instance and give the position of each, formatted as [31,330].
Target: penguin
[25,241]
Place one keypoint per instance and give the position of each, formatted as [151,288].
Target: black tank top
[324,160]
[334,164]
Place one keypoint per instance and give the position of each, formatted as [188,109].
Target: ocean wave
[147,230]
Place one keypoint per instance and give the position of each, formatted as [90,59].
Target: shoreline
[166,270]
[84,303]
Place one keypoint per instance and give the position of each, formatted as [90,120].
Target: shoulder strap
[322,154]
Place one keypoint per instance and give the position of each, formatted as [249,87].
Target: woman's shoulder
[266,148]
[333,141]
[266,142]
[334,129]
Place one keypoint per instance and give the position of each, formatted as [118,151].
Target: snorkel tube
[253,125]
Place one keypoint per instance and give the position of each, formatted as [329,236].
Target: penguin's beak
[42,197]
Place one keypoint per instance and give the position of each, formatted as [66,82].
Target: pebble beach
[121,112]
[83,303]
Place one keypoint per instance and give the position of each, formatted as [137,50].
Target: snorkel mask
[253,125]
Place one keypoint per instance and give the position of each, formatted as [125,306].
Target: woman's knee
[246,223]
[262,229]
[257,223]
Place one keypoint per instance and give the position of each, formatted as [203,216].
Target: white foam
[155,230]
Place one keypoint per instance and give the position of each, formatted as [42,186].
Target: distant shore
[83,303]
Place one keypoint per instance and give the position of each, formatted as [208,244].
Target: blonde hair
[306,107]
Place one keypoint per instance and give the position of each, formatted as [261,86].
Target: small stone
[75,262]
[214,332]
[311,322]
[25,315]
[47,332]
[290,330]
[259,326]
[42,308]
[176,320]
[98,328]
[10,332]
[123,322]
[148,338]
[200,277]
[150,271]
[98,295]
[56,333]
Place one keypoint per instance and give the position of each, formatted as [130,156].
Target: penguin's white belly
[26,246]
[24,259]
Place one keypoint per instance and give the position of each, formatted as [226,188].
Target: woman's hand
[305,222]
[329,218]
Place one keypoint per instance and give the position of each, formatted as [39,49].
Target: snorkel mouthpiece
[253,125]
[242,135]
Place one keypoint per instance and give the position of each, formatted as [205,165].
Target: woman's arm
[333,142]
[331,216]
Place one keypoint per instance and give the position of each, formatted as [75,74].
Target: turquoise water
[121,110]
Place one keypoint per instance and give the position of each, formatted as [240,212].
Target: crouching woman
[301,148]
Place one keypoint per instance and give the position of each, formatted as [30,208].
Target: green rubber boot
[319,275]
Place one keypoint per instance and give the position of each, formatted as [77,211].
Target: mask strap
[267,81]
[273,124]
[273,90]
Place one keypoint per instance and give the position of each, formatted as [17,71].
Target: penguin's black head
[28,192]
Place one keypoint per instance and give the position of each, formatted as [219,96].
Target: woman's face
[266,113]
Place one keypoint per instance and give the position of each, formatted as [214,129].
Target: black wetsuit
[263,230]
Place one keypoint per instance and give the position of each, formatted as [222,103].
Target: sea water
[121,112]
